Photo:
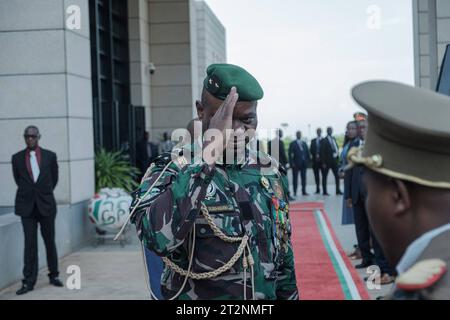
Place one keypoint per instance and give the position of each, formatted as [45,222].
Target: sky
[308,54]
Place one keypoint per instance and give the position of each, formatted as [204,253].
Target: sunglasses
[33,136]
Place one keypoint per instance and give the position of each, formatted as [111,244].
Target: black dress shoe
[364,264]
[291,199]
[325,194]
[317,192]
[305,194]
[25,288]
[339,193]
[56,282]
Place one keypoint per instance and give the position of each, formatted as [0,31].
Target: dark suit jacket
[297,157]
[40,193]
[354,187]
[142,159]
[282,159]
[326,152]
[314,150]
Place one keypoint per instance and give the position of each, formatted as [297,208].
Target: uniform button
[202,230]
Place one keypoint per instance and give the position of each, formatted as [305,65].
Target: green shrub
[112,170]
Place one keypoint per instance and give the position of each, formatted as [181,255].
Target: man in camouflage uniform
[238,210]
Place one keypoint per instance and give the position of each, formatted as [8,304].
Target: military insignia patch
[214,84]
[220,208]
[265,183]
[211,191]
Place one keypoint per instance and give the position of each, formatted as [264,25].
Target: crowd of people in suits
[324,155]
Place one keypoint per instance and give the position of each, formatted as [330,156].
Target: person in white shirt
[35,172]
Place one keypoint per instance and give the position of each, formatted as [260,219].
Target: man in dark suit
[315,154]
[146,152]
[281,156]
[356,195]
[35,172]
[329,155]
[299,159]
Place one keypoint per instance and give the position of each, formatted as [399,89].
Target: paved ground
[112,272]
[107,272]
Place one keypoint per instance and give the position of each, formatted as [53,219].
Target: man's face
[31,137]
[389,227]
[280,134]
[329,131]
[352,130]
[244,116]
[299,135]
[319,132]
[362,126]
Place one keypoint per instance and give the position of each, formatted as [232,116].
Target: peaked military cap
[408,134]
[220,78]
[359,116]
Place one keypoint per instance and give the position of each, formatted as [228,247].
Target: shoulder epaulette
[422,275]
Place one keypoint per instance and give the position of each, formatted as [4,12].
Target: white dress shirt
[34,165]
[333,146]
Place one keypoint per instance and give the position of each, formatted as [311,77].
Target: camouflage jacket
[241,199]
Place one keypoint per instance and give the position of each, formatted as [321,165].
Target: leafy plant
[112,170]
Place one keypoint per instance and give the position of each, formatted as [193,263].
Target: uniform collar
[417,247]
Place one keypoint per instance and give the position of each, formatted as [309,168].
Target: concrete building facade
[431,37]
[52,75]
[211,41]
[45,80]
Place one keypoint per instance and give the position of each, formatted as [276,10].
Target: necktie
[299,142]
[34,165]
[333,146]
[300,145]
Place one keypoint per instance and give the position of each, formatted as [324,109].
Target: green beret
[221,78]
[408,133]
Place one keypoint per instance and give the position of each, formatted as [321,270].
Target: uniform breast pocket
[212,252]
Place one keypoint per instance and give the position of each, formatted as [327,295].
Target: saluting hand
[221,121]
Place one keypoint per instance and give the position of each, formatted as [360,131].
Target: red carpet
[323,270]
